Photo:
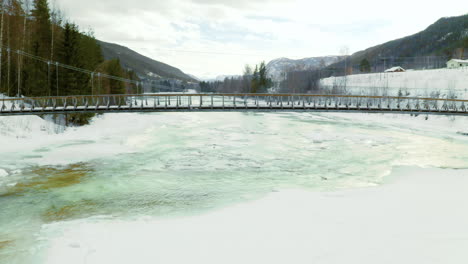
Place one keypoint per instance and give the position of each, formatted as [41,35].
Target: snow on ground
[420,82]
[42,142]
[32,136]
[418,218]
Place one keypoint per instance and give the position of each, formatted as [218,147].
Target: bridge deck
[230,102]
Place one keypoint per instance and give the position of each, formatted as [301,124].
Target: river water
[128,167]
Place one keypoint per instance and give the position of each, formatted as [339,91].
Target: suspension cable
[1,42]
[9,56]
[19,74]
[73,68]
[8,70]
[57,76]
[48,79]
[99,82]
[92,83]
[21,53]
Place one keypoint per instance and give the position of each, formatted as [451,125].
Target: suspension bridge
[170,102]
[230,102]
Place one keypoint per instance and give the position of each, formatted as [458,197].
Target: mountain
[194,77]
[440,39]
[278,67]
[143,66]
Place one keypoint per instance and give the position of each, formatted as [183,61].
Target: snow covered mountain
[279,67]
[221,78]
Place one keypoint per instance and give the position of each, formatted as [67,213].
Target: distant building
[454,63]
[396,69]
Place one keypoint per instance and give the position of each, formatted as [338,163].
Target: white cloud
[192,34]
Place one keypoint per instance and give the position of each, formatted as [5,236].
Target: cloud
[239,4]
[211,37]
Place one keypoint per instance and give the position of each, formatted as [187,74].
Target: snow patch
[417,83]
[445,37]
[3,173]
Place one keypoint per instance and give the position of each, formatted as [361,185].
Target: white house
[454,63]
[396,69]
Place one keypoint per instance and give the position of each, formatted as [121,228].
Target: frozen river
[235,188]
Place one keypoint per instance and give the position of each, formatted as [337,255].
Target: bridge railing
[170,101]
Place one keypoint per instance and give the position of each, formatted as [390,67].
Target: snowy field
[412,83]
[235,188]
[418,217]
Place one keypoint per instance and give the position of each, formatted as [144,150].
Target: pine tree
[133,88]
[365,66]
[114,69]
[13,39]
[42,29]
[260,80]
[464,46]
[36,74]
[69,54]
[264,81]
[110,86]
[90,50]
[255,80]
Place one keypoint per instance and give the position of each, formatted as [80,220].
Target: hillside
[432,41]
[440,40]
[278,67]
[143,66]
[443,83]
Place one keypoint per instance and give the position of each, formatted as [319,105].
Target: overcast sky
[214,37]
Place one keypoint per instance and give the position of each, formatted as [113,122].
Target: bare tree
[344,51]
[247,79]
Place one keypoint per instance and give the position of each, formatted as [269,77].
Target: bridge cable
[58,64]
[48,79]
[8,70]
[77,69]
[57,77]
[19,74]
[9,56]
[92,83]
[1,42]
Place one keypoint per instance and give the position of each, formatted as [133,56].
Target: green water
[171,165]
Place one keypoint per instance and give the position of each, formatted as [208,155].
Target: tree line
[34,36]
[254,80]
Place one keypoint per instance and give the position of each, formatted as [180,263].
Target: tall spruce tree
[365,66]
[13,39]
[264,82]
[110,86]
[42,29]
[260,80]
[91,52]
[114,69]
[37,73]
[69,53]
[255,81]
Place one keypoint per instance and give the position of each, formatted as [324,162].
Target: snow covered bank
[417,217]
[173,168]
[35,140]
[25,126]
[419,82]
